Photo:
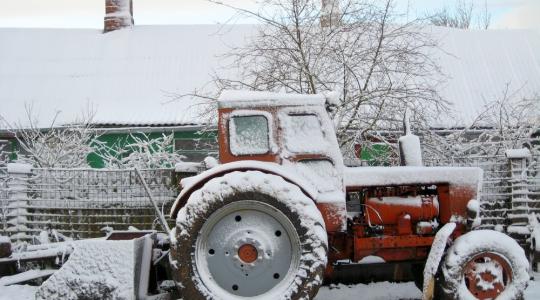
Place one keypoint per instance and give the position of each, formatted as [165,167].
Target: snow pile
[19,292]
[19,168]
[187,167]
[95,270]
[518,153]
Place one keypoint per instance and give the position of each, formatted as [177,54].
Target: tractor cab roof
[247,99]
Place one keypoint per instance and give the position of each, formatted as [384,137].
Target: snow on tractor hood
[190,184]
[384,176]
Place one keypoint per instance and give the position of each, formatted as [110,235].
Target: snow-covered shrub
[54,146]
[140,151]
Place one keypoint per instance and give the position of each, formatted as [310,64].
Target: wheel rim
[247,248]
[487,275]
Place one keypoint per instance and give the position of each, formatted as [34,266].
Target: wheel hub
[248,253]
[487,275]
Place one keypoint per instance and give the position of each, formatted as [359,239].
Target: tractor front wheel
[484,264]
[249,234]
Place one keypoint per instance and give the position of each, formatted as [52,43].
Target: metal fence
[82,203]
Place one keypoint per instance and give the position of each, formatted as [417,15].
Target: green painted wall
[205,146]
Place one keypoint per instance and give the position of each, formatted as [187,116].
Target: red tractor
[281,214]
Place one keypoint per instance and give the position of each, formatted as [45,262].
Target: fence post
[18,187]
[520,210]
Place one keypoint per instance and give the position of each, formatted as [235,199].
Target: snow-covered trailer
[281,213]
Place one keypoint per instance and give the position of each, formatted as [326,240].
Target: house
[130,75]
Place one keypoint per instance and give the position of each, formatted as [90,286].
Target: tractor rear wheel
[249,234]
[484,264]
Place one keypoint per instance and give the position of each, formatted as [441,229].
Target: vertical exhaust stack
[118,15]
[410,151]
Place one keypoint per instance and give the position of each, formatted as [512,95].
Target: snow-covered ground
[373,291]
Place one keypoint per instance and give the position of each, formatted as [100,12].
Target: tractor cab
[292,130]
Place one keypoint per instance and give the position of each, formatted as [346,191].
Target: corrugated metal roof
[481,63]
[128,76]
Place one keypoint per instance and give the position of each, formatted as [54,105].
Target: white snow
[303,133]
[518,153]
[19,168]
[189,183]
[371,259]
[372,291]
[410,149]
[76,66]
[96,269]
[188,167]
[4,239]
[377,176]
[25,276]
[436,253]
[18,292]
[210,162]
[233,98]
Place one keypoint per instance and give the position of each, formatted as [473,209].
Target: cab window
[249,135]
[304,134]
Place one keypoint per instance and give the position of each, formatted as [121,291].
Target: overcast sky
[89,13]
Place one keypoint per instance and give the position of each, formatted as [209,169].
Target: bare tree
[356,47]
[461,16]
[139,151]
[60,146]
[504,123]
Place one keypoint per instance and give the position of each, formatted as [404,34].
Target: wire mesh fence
[82,203]
[496,192]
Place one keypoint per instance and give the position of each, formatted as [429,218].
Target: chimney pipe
[118,15]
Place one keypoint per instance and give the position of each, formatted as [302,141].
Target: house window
[195,150]
[249,135]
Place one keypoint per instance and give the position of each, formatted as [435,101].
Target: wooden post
[18,201]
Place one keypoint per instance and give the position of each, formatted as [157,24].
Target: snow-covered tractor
[281,214]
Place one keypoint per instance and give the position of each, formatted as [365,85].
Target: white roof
[480,63]
[129,76]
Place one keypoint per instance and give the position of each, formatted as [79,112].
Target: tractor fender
[435,255]
[191,184]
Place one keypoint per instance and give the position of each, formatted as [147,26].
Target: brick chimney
[118,14]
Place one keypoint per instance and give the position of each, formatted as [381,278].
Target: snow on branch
[378,65]
[60,146]
[141,151]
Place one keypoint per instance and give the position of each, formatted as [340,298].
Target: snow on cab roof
[235,98]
